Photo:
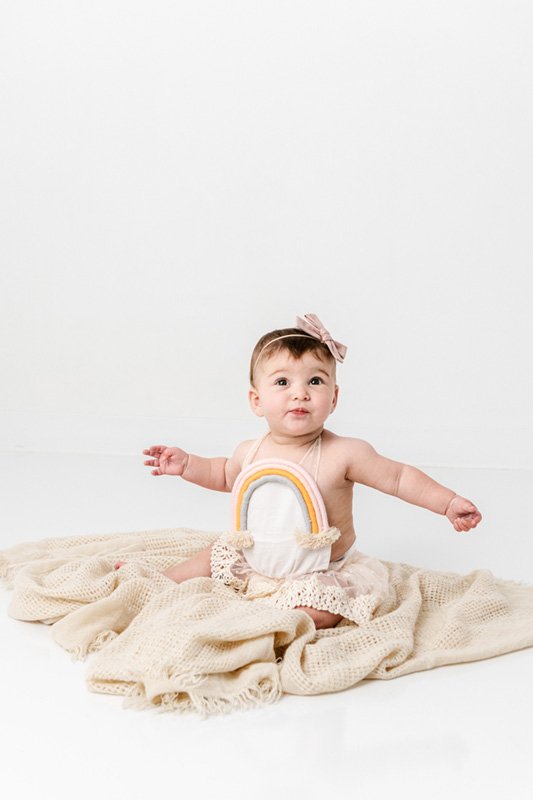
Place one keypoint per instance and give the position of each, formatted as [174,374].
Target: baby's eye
[316,381]
[281,382]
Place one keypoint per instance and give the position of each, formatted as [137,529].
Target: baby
[293,386]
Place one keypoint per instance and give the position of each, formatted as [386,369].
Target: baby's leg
[322,619]
[199,566]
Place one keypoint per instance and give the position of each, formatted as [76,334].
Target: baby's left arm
[368,467]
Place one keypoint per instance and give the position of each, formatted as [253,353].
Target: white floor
[464,730]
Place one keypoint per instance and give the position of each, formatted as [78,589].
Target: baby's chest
[335,490]
[331,478]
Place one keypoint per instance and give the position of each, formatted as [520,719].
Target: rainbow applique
[306,514]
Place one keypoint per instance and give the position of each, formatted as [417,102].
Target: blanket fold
[199,646]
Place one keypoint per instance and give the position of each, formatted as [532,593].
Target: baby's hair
[294,340]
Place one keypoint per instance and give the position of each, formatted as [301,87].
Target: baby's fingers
[465,523]
[154,450]
[472,519]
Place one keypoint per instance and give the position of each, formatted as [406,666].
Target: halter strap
[316,444]
[250,455]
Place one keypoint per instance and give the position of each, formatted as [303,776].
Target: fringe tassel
[309,541]
[239,539]
[314,541]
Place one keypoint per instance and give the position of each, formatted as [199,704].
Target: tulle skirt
[353,586]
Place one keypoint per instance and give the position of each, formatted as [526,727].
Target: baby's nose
[300,392]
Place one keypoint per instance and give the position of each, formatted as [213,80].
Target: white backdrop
[179,178]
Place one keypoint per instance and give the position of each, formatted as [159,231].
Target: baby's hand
[462,514]
[167,460]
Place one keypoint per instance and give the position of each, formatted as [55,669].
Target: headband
[314,329]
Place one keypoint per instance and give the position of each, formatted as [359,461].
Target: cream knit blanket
[198,646]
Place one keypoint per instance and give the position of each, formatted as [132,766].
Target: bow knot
[314,327]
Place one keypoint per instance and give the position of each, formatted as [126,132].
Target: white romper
[279,548]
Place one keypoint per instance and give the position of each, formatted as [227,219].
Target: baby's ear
[255,402]
[335,398]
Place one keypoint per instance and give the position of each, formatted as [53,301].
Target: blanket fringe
[103,638]
[264,693]
[81,651]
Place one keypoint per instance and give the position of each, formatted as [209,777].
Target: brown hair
[296,343]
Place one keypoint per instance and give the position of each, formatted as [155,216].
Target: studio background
[180,178]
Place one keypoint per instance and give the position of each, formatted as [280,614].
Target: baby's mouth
[299,412]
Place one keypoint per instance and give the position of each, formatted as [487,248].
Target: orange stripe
[284,474]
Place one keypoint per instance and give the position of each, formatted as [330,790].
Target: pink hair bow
[312,325]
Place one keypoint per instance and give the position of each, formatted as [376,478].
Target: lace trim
[314,541]
[223,556]
[311,592]
[307,591]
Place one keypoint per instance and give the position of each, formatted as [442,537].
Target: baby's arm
[212,473]
[368,467]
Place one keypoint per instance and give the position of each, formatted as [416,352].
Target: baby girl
[301,471]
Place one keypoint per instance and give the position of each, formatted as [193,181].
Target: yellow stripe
[303,491]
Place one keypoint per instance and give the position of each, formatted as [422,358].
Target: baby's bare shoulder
[240,452]
[349,446]
[363,464]
[235,462]
[351,455]
[241,449]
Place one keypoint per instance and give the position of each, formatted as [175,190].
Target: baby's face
[295,396]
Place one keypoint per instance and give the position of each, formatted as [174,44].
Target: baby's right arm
[212,473]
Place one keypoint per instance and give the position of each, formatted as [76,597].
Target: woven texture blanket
[198,646]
